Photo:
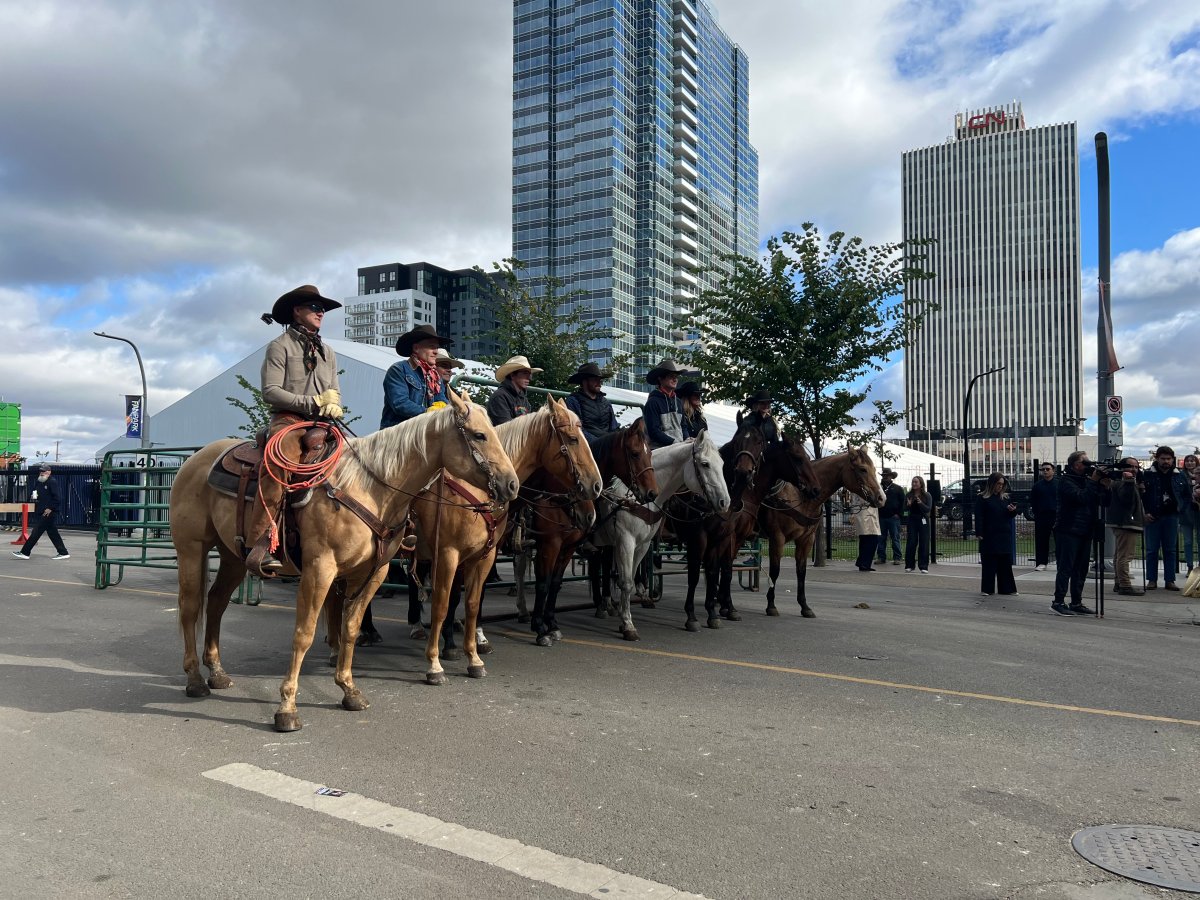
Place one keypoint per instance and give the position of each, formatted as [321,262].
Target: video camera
[1110,468]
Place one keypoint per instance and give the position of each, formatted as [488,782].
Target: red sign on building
[983,120]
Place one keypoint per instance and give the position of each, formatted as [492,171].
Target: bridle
[570,500]
[635,477]
[485,465]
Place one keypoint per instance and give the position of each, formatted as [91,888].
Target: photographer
[1082,490]
[1126,517]
[1167,493]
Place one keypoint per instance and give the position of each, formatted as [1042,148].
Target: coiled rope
[307,475]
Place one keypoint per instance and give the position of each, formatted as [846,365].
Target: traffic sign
[1115,405]
[1116,430]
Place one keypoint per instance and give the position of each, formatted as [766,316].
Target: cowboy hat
[759,396]
[691,388]
[516,364]
[444,358]
[286,305]
[588,370]
[667,367]
[404,343]
[887,473]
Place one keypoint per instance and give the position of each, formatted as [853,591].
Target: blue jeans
[1191,538]
[889,529]
[1162,534]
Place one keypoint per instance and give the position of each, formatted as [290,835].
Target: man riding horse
[510,399]
[663,411]
[587,401]
[760,416]
[299,382]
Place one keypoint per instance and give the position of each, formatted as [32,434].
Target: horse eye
[706,465]
[480,436]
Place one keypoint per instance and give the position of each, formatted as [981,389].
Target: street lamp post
[968,488]
[145,397]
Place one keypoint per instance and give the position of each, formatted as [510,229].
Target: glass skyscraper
[633,171]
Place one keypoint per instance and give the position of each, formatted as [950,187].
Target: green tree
[810,318]
[884,417]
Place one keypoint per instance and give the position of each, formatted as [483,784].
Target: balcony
[394,304]
[681,94]
[685,41]
[683,58]
[356,333]
[684,169]
[684,203]
[686,186]
[390,330]
[367,318]
[400,315]
[685,223]
[685,277]
[685,24]
[688,6]
[681,76]
[685,259]
[681,295]
[687,114]
[685,242]
[684,132]
[684,150]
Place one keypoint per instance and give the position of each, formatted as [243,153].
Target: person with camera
[1168,492]
[1082,490]
[994,512]
[1126,517]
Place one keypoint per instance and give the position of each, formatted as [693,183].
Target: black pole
[1104,373]
[968,488]
[933,513]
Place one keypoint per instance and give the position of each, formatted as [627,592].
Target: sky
[168,169]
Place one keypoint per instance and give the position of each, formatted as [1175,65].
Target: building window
[382,277]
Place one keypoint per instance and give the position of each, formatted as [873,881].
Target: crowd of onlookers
[1071,509]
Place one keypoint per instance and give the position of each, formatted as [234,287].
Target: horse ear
[460,404]
[738,418]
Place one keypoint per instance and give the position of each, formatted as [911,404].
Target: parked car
[1019,487]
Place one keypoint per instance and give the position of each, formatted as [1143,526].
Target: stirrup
[260,562]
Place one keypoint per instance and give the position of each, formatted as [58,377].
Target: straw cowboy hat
[516,364]
[667,367]
[761,396]
[404,343]
[445,358]
[690,389]
[589,370]
[285,306]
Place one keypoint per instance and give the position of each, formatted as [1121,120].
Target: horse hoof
[198,689]
[692,625]
[451,653]
[630,634]
[647,604]
[523,618]
[355,702]
[556,635]
[476,672]
[483,648]
[808,613]
[286,722]
[772,611]
[435,678]
[219,681]
[418,633]
[601,613]
[543,640]
[714,623]
[731,614]
[333,658]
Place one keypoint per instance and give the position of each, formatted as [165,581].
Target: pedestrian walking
[47,504]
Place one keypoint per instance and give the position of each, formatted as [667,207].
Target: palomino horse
[621,454]
[788,516]
[379,474]
[695,465]
[546,448]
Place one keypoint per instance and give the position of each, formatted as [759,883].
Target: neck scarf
[311,341]
[433,378]
[670,395]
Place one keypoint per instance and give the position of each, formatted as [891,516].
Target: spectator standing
[1189,517]
[1043,502]
[994,512]
[1126,517]
[889,516]
[1080,497]
[918,506]
[864,517]
[1168,493]
[47,504]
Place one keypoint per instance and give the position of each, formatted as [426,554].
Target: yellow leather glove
[330,396]
[436,405]
[331,411]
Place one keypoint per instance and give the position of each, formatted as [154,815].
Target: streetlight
[968,488]
[145,397]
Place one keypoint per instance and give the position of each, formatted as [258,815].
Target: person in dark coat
[1127,518]
[510,399]
[917,507]
[890,516]
[1168,493]
[994,512]
[47,504]
[1080,497]
[760,415]
[1043,503]
[692,396]
[595,411]
[663,411]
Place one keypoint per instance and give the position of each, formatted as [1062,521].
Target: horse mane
[384,452]
[515,434]
[602,448]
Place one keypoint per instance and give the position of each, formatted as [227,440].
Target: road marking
[875,682]
[530,862]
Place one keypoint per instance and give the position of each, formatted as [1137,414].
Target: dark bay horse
[340,551]
[787,515]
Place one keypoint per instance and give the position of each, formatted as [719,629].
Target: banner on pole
[133,415]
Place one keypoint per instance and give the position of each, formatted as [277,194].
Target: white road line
[529,862]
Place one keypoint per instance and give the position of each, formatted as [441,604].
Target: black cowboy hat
[887,473]
[667,367]
[588,370]
[760,396]
[404,343]
[691,388]
[286,305]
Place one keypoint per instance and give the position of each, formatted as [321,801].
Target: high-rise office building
[633,171]
[396,297]
[1002,201]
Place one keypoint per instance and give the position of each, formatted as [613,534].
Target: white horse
[694,464]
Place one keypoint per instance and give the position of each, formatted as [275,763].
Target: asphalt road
[932,745]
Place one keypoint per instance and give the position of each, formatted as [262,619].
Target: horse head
[858,476]
[743,454]
[478,458]
[567,455]
[704,476]
[632,462]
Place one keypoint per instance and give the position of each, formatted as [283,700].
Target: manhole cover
[1165,857]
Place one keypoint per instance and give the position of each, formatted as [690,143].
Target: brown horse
[380,473]
[460,540]
[623,454]
[789,516]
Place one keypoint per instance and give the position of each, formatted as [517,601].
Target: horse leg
[439,604]
[473,587]
[554,585]
[310,598]
[352,698]
[415,629]
[727,610]
[537,622]
[596,582]
[335,604]
[229,576]
[776,552]
[520,564]
[695,556]
[193,571]
[449,650]
[626,555]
